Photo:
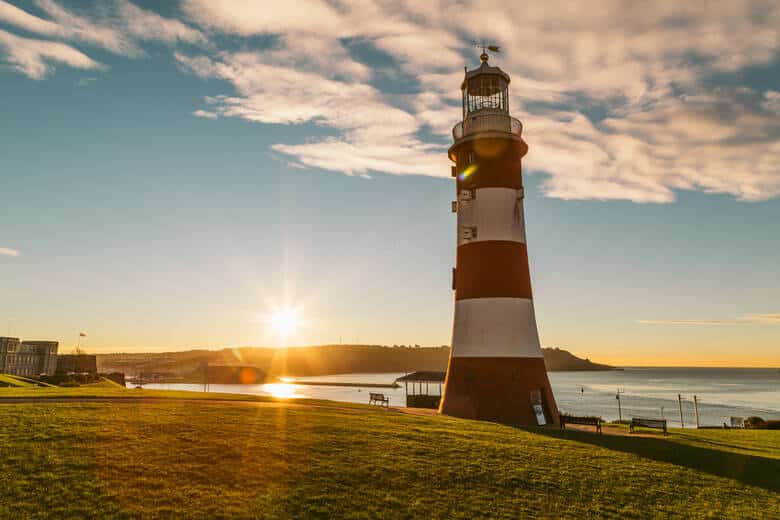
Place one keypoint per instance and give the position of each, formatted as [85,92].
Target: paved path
[606,429]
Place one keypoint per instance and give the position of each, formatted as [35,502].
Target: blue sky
[171,176]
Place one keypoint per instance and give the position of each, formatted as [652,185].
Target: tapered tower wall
[496,370]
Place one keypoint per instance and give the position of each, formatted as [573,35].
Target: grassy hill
[309,361]
[276,459]
[7,380]
[12,381]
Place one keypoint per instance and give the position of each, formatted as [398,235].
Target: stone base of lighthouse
[498,389]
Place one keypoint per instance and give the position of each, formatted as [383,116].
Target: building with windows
[36,357]
[8,348]
[27,358]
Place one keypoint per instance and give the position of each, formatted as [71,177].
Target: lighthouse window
[487,92]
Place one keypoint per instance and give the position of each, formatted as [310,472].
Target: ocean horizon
[644,391]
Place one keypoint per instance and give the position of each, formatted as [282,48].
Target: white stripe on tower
[495,327]
[495,213]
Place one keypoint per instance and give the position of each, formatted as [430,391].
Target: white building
[28,358]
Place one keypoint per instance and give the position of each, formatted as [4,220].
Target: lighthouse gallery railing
[487,123]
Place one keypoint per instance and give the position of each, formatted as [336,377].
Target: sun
[285,322]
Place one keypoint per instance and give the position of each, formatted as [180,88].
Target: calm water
[647,392]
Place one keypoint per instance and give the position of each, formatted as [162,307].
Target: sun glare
[285,322]
[281,390]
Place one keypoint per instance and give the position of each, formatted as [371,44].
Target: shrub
[754,422]
[772,425]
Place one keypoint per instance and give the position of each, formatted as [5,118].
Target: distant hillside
[559,360]
[309,361]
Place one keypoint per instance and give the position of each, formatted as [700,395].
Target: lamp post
[679,401]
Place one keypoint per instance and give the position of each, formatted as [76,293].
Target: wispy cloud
[616,99]
[147,25]
[34,57]
[6,251]
[85,82]
[205,114]
[765,319]
[64,24]
[117,26]
[373,134]
[630,63]
[772,102]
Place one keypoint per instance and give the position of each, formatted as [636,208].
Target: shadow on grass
[748,469]
[702,440]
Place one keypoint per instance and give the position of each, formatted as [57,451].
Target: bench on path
[647,423]
[573,419]
[378,399]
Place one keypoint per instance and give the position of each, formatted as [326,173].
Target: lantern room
[485,103]
[485,88]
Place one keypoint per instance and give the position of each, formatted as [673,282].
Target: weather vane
[485,48]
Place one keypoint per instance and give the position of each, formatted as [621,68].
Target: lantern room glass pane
[486,92]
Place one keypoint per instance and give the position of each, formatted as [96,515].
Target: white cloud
[205,114]
[105,33]
[147,25]
[372,134]
[5,251]
[85,82]
[771,102]
[13,15]
[116,26]
[748,319]
[34,58]
[250,18]
[629,61]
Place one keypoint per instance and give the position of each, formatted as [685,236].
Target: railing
[490,122]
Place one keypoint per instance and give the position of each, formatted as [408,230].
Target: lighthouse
[496,371]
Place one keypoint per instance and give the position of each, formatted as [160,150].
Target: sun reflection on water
[282,390]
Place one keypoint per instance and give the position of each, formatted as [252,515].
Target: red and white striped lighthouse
[496,370]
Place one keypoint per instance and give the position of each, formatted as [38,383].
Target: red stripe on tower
[496,370]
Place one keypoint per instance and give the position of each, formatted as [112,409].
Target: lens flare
[467,172]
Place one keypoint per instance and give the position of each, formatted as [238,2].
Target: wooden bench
[378,399]
[573,419]
[647,423]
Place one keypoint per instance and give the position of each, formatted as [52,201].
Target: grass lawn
[108,389]
[267,459]
[15,381]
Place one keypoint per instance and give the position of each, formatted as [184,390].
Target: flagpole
[78,343]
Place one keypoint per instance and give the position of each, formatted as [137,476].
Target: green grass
[109,389]
[109,383]
[276,459]
[15,381]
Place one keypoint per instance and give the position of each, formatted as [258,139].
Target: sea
[643,392]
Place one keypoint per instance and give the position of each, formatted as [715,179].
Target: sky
[174,173]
